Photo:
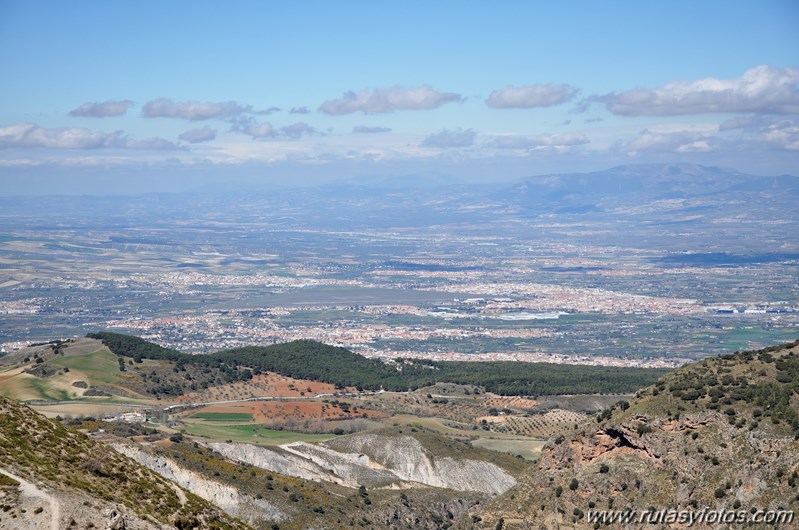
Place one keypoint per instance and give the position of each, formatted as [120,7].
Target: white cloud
[370,130]
[776,133]
[541,140]
[299,110]
[762,89]
[672,142]
[446,139]
[529,96]
[195,136]
[782,135]
[30,135]
[102,110]
[296,130]
[249,126]
[154,144]
[192,110]
[388,100]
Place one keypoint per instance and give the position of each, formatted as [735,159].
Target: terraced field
[538,425]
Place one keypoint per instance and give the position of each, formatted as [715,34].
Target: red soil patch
[263,385]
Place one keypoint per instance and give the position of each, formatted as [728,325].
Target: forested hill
[306,359]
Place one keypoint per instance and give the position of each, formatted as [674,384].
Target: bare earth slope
[72,478]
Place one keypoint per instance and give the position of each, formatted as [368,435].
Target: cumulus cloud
[296,130]
[270,110]
[782,135]
[153,144]
[192,110]
[251,127]
[388,100]
[101,110]
[776,133]
[299,110]
[447,139]
[30,135]
[529,96]
[762,89]
[672,142]
[370,130]
[538,141]
[195,136]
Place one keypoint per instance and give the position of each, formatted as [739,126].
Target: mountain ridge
[720,434]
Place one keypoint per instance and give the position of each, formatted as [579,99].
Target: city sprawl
[463,278]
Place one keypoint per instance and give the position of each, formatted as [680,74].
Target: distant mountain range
[713,203]
[673,187]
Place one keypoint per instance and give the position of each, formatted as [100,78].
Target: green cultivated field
[231,417]
[250,433]
[528,449]
[100,367]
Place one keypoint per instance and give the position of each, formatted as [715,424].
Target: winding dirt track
[31,490]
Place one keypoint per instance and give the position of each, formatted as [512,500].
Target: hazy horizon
[123,98]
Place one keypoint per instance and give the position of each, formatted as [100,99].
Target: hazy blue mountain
[677,187]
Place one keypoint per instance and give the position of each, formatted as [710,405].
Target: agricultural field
[527,449]
[83,378]
[536,425]
[266,384]
[74,372]
[246,433]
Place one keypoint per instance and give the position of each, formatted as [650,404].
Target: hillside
[718,434]
[56,478]
[306,359]
[658,193]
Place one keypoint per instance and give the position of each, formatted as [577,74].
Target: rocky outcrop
[274,460]
[353,469]
[374,461]
[407,458]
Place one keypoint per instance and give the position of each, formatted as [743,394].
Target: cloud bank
[388,100]
[762,89]
[30,135]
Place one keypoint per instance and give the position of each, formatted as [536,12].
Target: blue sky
[106,97]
